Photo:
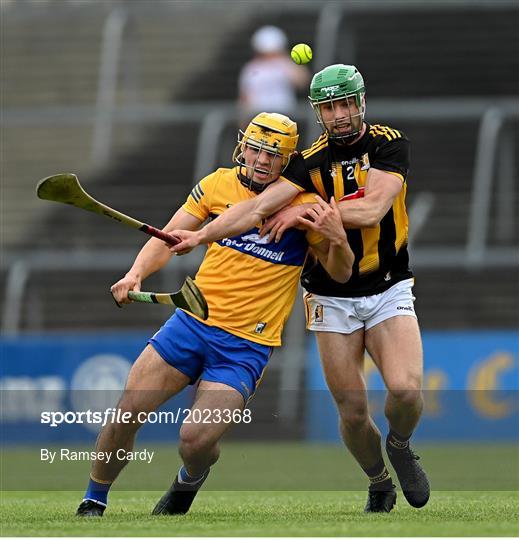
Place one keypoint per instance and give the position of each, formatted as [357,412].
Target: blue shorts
[211,354]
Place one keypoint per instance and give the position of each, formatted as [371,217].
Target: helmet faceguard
[334,83]
[273,133]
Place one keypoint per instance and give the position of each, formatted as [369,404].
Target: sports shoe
[380,501]
[412,477]
[90,508]
[178,498]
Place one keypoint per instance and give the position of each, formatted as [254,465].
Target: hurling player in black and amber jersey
[364,167]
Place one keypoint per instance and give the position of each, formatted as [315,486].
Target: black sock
[379,477]
[398,442]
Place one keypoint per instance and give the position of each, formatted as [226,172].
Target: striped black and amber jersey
[249,282]
[330,169]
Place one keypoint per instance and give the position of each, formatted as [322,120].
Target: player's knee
[354,417]
[350,400]
[406,390]
[193,441]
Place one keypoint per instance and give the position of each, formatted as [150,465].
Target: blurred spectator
[269,81]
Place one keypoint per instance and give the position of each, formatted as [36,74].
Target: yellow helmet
[270,132]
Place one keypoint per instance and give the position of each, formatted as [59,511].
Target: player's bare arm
[154,255]
[284,219]
[334,252]
[381,190]
[239,218]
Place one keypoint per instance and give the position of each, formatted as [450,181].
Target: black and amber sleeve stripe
[319,144]
[390,133]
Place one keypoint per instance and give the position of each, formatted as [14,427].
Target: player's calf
[112,438]
[198,447]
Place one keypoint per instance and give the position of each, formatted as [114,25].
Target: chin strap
[256,187]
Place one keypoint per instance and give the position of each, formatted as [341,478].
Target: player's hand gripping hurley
[189,297]
[65,188]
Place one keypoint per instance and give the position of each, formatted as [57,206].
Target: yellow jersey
[249,282]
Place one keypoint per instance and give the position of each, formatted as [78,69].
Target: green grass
[274,489]
[218,513]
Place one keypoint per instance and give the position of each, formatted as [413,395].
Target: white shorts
[346,315]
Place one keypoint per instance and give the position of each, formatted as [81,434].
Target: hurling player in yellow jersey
[364,167]
[250,284]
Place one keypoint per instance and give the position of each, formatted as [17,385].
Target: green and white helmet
[335,82]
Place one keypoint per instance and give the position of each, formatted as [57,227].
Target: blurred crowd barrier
[140,104]
[471,391]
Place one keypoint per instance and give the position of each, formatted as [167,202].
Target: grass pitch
[284,489]
[221,513]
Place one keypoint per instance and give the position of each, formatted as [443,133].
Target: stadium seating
[52,58]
